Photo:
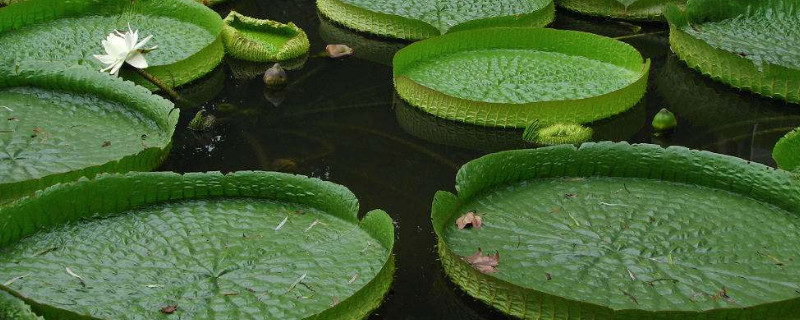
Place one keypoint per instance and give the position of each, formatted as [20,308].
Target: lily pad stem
[163,87]
[640,35]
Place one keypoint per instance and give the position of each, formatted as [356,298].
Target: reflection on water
[339,120]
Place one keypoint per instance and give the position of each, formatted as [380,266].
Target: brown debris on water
[470,219]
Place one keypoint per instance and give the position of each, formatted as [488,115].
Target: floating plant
[619,231]
[649,10]
[186,33]
[61,122]
[708,35]
[248,245]
[259,40]
[787,151]
[422,19]
[510,77]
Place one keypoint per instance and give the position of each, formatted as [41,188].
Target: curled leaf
[484,264]
[170,309]
[469,220]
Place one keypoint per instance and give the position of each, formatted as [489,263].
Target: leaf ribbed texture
[63,122]
[513,76]
[647,10]
[619,231]
[787,151]
[422,19]
[749,45]
[187,33]
[214,245]
[258,40]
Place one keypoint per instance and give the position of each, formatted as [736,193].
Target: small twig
[640,35]
[353,279]
[614,204]
[14,279]
[282,223]
[7,108]
[312,225]
[296,282]
[630,296]
[69,272]
[633,276]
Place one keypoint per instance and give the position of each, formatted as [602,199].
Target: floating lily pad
[186,32]
[422,19]
[59,122]
[648,10]
[249,245]
[12,308]
[619,231]
[751,45]
[258,40]
[787,151]
[509,77]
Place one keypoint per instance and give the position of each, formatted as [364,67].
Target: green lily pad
[751,45]
[257,40]
[422,19]
[12,308]
[647,10]
[619,231]
[249,245]
[59,122]
[787,151]
[509,77]
[186,32]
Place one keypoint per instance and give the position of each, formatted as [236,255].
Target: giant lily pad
[751,45]
[619,231]
[258,40]
[421,19]
[186,32]
[249,245]
[509,77]
[650,10]
[59,122]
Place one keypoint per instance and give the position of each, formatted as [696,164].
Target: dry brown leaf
[484,264]
[338,51]
[169,309]
[469,220]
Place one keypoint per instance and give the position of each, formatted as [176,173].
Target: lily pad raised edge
[521,115]
[63,77]
[393,26]
[241,47]
[770,80]
[676,164]
[787,151]
[112,193]
[641,10]
[31,12]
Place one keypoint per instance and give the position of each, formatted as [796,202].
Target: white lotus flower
[124,47]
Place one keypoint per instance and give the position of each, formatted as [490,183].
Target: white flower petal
[137,60]
[144,42]
[105,59]
[116,68]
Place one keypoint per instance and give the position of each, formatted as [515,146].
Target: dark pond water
[340,121]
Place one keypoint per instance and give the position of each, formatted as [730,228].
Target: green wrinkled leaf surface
[587,234]
[762,34]
[520,76]
[55,132]
[218,257]
[77,39]
[446,14]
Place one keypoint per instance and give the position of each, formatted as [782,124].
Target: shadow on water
[340,120]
